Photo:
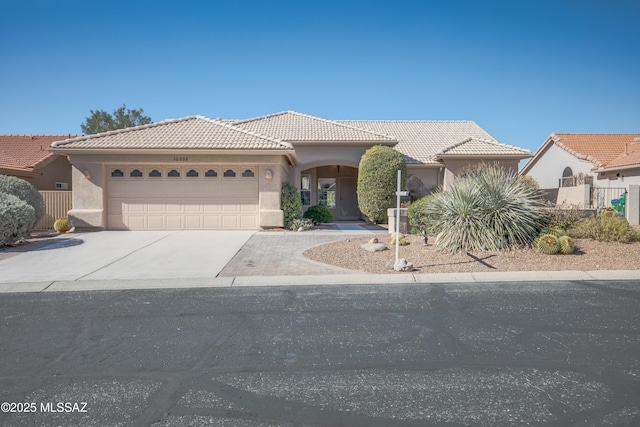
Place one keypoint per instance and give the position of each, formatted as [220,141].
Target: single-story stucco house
[28,157]
[200,173]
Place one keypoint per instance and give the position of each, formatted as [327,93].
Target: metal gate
[601,197]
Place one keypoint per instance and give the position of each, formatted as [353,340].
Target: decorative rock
[403,265]
[374,240]
[374,247]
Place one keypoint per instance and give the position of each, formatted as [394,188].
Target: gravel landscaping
[589,255]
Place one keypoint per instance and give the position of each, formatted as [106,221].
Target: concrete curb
[336,279]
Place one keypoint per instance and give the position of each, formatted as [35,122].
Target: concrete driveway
[122,255]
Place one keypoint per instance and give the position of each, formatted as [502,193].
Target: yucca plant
[486,208]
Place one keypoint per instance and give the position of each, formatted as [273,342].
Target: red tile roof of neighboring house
[598,148]
[27,152]
[630,156]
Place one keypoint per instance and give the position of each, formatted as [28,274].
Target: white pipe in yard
[398,217]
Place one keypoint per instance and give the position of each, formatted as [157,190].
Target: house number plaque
[180,159]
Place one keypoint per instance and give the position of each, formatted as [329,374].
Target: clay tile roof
[27,152]
[296,127]
[422,141]
[477,146]
[598,148]
[195,132]
[630,156]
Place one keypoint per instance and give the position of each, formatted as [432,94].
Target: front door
[348,198]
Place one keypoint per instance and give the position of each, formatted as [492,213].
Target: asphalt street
[478,354]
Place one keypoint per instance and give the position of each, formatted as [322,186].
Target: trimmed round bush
[318,214]
[24,191]
[290,204]
[378,181]
[17,218]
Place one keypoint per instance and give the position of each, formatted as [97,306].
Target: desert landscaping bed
[589,255]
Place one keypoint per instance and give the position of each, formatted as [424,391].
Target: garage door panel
[182,203]
[193,222]
[248,221]
[174,222]
[136,222]
[116,207]
[155,206]
[211,222]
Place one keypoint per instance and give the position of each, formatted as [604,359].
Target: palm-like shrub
[488,208]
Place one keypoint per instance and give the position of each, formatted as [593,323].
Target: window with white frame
[327,192]
[305,190]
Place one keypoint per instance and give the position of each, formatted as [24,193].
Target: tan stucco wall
[58,170]
[431,177]
[90,195]
[454,166]
[324,155]
[45,178]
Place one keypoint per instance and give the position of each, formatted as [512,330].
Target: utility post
[399,193]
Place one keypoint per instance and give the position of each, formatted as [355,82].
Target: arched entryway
[333,186]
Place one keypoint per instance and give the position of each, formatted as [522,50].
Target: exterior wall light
[87,174]
[268,175]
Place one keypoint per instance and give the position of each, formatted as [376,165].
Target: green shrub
[378,181]
[607,227]
[17,218]
[564,216]
[290,204]
[303,224]
[487,209]
[23,191]
[417,215]
[318,214]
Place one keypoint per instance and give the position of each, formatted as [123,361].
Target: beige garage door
[183,198]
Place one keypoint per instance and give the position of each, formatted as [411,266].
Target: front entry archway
[334,187]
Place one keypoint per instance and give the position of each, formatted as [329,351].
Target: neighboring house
[603,160]
[28,157]
[200,173]
[608,163]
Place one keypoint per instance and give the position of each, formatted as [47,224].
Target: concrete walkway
[281,253]
[183,259]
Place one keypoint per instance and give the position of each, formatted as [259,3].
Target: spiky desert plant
[566,245]
[547,244]
[61,225]
[488,208]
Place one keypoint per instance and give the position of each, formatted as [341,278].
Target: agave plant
[486,208]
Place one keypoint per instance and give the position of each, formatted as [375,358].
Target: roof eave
[340,142]
[483,156]
[172,151]
[616,168]
[17,172]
